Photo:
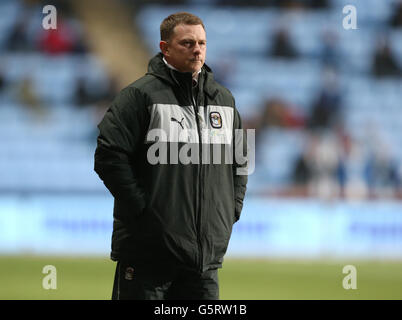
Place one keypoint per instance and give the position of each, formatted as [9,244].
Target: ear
[164,46]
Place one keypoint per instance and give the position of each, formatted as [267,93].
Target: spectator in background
[83,96]
[351,168]
[316,170]
[67,38]
[18,39]
[57,41]
[319,4]
[302,170]
[100,93]
[381,171]
[382,175]
[290,4]
[282,46]
[324,166]
[330,54]
[111,89]
[278,113]
[28,96]
[396,19]
[384,63]
[327,107]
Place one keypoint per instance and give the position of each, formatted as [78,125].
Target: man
[172,219]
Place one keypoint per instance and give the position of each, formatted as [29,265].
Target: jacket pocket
[220,247]
[122,211]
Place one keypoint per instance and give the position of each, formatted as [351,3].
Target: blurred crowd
[332,163]
[27,37]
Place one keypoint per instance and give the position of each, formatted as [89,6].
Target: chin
[197,66]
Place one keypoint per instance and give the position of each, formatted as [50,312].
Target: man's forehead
[189,31]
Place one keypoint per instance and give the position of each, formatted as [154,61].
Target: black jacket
[171,212]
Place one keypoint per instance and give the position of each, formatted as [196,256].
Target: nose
[197,48]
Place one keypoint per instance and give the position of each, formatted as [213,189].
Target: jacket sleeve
[239,164]
[121,133]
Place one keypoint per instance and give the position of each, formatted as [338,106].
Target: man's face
[187,48]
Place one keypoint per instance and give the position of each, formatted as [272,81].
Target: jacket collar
[158,68]
[195,78]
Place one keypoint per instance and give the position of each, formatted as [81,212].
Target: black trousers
[133,282]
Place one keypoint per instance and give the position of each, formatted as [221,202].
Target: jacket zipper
[198,220]
[193,102]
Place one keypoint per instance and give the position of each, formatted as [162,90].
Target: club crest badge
[129,275]
[215,119]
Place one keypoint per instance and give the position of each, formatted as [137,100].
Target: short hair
[169,23]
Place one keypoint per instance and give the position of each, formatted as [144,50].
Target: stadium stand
[48,138]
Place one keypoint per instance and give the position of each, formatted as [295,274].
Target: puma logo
[179,122]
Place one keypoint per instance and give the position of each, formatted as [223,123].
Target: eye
[187,43]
